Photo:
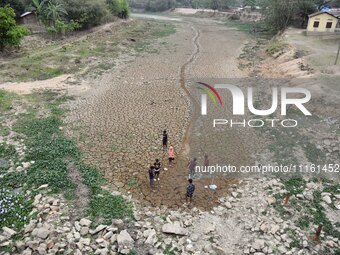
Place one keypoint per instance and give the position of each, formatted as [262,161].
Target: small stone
[258,244]
[44,186]
[8,232]
[84,231]
[327,199]
[85,222]
[43,232]
[305,244]
[228,205]
[98,229]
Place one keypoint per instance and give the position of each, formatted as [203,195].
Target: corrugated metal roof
[25,14]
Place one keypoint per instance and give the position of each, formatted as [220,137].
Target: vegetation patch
[276,45]
[51,151]
[15,209]
[6,99]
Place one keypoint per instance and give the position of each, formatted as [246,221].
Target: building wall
[323,19]
[32,23]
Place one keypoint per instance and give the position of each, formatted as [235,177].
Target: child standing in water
[171,155]
[157,165]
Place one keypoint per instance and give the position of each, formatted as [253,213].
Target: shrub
[159,5]
[275,46]
[10,33]
[119,8]
[61,27]
[86,13]
[16,5]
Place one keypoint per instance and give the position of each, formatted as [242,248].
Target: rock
[174,228]
[85,222]
[84,231]
[108,235]
[167,241]
[327,199]
[305,244]
[327,142]
[274,229]
[151,239]
[43,232]
[234,194]
[98,229]
[8,232]
[228,205]
[44,186]
[271,200]
[118,223]
[29,227]
[42,249]
[50,244]
[258,244]
[28,251]
[124,240]
[85,241]
[20,245]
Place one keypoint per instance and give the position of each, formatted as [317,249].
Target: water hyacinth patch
[14,209]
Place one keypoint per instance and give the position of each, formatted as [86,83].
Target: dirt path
[119,123]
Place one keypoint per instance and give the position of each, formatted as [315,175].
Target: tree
[39,6]
[10,33]
[119,8]
[54,11]
[16,5]
[280,14]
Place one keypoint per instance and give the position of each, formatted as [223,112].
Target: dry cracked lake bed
[82,121]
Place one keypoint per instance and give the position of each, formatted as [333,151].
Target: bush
[275,46]
[159,5]
[119,8]
[10,33]
[86,13]
[61,27]
[17,6]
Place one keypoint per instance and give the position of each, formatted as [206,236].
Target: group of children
[154,170]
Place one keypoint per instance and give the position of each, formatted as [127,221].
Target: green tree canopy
[10,33]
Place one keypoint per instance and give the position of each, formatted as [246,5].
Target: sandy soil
[62,83]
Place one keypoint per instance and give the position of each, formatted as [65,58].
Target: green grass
[89,55]
[52,150]
[132,182]
[105,205]
[6,99]
[165,30]
[256,29]
[15,209]
[275,45]
[312,211]
[295,185]
[7,151]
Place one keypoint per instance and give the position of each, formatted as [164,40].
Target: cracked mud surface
[119,123]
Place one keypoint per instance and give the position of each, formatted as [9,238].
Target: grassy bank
[80,54]
[50,152]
